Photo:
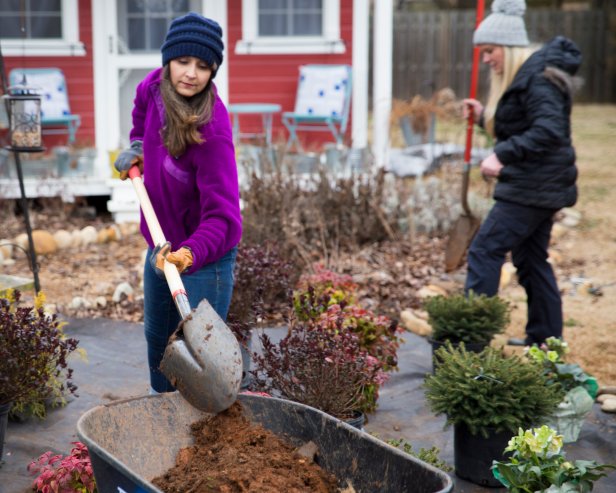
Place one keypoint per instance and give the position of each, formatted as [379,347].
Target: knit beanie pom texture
[504,26]
[509,7]
[194,35]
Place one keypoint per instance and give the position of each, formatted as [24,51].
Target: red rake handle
[470,120]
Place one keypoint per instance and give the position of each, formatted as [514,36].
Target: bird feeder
[23,106]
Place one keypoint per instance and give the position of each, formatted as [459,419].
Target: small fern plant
[488,391]
[468,318]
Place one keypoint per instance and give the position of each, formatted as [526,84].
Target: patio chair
[322,103]
[56,116]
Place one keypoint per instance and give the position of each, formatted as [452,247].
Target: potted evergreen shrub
[472,319]
[33,353]
[487,396]
[579,387]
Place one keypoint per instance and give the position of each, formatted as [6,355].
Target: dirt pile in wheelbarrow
[231,454]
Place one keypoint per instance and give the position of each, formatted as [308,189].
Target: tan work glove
[182,258]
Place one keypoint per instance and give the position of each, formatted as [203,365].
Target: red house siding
[79,74]
[273,78]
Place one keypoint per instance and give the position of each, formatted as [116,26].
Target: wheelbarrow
[135,440]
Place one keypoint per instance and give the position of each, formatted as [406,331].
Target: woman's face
[493,55]
[189,75]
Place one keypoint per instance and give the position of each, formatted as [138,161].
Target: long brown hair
[184,116]
[513,58]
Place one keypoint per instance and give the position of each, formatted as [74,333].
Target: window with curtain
[31,19]
[143,24]
[290,18]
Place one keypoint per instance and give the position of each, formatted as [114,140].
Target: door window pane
[142,24]
[290,17]
[28,19]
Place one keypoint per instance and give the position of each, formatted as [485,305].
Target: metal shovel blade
[203,360]
[460,237]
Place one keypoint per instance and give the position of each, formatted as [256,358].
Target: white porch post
[382,76]
[217,10]
[361,37]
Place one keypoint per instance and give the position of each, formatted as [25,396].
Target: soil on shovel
[232,455]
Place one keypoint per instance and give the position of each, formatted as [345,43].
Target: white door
[127,36]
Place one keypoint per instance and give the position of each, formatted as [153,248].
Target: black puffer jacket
[533,130]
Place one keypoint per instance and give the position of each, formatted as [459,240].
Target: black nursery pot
[475,347]
[473,455]
[4,418]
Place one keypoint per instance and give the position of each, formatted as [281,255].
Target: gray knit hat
[504,26]
[194,35]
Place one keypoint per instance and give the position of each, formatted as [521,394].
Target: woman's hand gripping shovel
[202,359]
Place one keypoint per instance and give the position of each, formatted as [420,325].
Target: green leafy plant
[488,390]
[470,319]
[431,455]
[537,463]
[551,357]
[71,473]
[33,352]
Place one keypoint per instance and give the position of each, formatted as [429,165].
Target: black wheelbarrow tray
[135,440]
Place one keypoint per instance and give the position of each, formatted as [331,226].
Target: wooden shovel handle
[176,286]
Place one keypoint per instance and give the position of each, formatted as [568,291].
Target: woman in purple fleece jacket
[182,140]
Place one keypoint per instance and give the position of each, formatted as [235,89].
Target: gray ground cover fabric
[116,369]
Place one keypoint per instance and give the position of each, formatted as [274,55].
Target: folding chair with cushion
[55,110]
[322,103]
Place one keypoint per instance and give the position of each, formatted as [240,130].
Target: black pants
[525,232]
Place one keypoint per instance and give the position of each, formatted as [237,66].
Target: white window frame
[68,45]
[252,43]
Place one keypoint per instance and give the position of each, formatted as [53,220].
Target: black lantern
[23,106]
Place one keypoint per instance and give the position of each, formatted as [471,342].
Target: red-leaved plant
[378,335]
[262,285]
[64,474]
[320,367]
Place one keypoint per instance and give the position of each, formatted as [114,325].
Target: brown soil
[232,455]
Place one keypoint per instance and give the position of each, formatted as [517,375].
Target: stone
[21,241]
[88,235]
[609,406]
[604,397]
[411,322]
[100,301]
[63,239]
[6,248]
[431,290]
[79,302]
[122,291]
[571,218]
[44,242]
[607,389]
[76,235]
[507,272]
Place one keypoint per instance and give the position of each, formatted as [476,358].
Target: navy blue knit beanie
[194,35]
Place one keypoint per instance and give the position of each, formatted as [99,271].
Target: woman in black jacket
[528,112]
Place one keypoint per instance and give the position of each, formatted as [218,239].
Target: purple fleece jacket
[195,195]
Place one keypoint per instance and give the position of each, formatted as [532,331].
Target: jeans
[525,232]
[213,282]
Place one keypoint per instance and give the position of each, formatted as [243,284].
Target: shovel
[466,226]
[202,359]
